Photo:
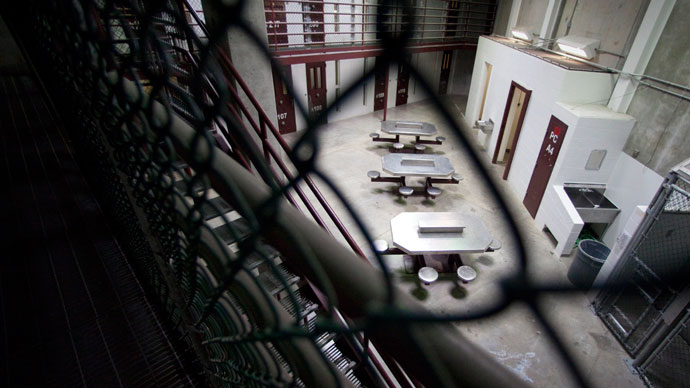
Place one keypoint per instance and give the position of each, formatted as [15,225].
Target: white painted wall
[558,214]
[548,83]
[590,127]
[631,184]
[299,84]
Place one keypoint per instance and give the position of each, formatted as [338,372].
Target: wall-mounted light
[578,46]
[523,33]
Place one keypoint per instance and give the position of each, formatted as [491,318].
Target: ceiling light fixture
[522,33]
[578,46]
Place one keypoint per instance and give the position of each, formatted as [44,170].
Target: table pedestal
[449,263]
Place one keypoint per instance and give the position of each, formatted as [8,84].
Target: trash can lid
[594,250]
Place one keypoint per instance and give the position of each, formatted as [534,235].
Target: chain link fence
[262,295]
[648,311]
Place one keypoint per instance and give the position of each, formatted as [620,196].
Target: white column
[550,21]
[645,42]
[512,20]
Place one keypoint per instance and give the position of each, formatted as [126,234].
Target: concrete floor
[513,336]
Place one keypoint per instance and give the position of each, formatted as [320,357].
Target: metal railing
[312,24]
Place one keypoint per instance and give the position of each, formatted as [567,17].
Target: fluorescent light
[578,46]
[522,34]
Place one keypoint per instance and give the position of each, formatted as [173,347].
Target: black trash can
[590,256]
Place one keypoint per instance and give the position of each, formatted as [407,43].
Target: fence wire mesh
[262,296]
[645,311]
[668,367]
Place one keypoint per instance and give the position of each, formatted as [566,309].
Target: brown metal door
[316,87]
[555,133]
[445,72]
[380,75]
[285,105]
[403,84]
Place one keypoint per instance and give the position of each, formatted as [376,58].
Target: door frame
[286,123]
[403,77]
[319,78]
[518,129]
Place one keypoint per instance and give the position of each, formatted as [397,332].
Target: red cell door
[403,84]
[445,72]
[380,75]
[316,88]
[555,133]
[285,105]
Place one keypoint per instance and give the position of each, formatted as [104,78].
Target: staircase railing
[266,131]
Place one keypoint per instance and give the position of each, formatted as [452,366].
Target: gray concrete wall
[613,22]
[532,13]
[661,136]
[462,72]
[11,59]
[248,59]
[502,16]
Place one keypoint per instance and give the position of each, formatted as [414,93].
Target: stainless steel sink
[592,205]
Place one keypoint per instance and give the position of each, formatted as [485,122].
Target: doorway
[285,105]
[548,154]
[316,88]
[380,84]
[403,83]
[446,60]
[511,125]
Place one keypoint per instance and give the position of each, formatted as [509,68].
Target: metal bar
[268,150]
[392,6]
[458,40]
[316,57]
[350,32]
[375,23]
[385,93]
[282,53]
[336,220]
[372,14]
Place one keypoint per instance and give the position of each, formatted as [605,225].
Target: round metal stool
[433,191]
[427,275]
[466,274]
[373,174]
[405,191]
[380,246]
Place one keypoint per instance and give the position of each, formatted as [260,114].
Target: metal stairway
[292,292]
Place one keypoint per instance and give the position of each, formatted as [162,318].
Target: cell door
[403,84]
[285,105]
[555,133]
[446,60]
[380,75]
[316,88]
